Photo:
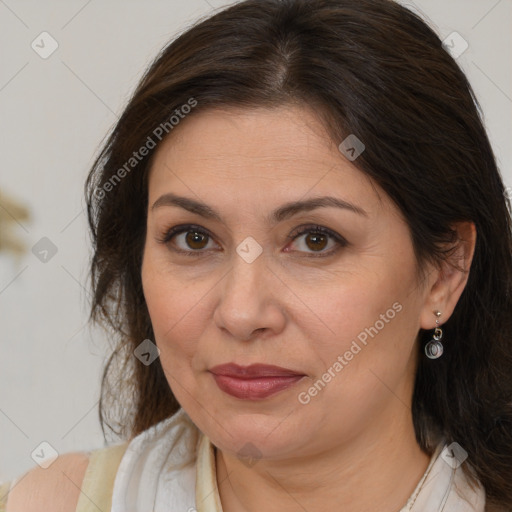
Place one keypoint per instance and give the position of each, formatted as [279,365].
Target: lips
[254,382]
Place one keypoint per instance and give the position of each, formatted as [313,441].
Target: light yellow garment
[98,483]
[4,491]
[207,492]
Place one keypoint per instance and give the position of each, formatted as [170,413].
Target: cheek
[369,324]
[176,326]
[173,307]
[355,307]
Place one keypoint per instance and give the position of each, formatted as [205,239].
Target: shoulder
[55,488]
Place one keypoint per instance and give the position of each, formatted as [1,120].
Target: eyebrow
[284,212]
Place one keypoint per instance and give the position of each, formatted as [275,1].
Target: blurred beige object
[12,214]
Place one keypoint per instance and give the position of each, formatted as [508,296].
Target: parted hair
[370,68]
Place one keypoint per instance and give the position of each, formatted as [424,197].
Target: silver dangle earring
[434,348]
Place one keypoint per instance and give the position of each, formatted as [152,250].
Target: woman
[303,247]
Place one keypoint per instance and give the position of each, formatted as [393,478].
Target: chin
[253,435]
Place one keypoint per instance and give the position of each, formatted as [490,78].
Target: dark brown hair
[370,68]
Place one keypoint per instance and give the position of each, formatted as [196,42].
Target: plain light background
[54,114]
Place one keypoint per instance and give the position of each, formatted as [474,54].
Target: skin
[354,442]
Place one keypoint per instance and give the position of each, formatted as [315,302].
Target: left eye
[194,240]
[316,239]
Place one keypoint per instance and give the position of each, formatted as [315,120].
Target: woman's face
[257,273]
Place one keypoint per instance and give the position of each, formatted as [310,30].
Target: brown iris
[316,241]
[196,240]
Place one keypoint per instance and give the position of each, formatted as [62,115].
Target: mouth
[254,382]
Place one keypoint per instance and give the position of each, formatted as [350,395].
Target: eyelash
[176,230]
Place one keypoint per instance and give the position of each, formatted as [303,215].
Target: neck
[381,465]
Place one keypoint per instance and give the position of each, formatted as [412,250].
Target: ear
[449,280]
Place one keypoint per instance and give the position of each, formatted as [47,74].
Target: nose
[248,301]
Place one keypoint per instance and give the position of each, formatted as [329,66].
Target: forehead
[256,154]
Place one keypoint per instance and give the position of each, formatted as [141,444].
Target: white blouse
[160,468]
